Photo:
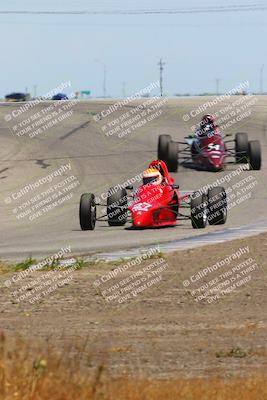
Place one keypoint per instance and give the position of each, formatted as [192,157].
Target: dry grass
[43,374]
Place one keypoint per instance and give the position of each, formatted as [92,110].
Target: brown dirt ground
[163,332]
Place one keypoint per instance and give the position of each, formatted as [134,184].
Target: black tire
[87,212]
[199,210]
[163,145]
[194,150]
[117,205]
[241,148]
[217,206]
[172,156]
[254,154]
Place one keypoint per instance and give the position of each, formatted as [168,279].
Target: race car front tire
[194,149]
[117,205]
[87,212]
[217,206]
[241,147]
[172,156]
[199,210]
[163,146]
[254,154]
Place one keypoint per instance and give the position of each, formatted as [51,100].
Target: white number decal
[141,207]
[212,146]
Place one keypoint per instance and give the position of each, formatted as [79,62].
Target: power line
[210,9]
[243,24]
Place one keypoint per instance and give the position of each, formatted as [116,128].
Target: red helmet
[207,119]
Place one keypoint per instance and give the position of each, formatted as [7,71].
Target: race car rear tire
[254,154]
[172,156]
[163,146]
[117,205]
[199,210]
[87,212]
[241,147]
[217,206]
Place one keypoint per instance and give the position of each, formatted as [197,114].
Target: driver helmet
[207,120]
[152,176]
[208,128]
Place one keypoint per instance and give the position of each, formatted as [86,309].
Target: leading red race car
[155,204]
[211,153]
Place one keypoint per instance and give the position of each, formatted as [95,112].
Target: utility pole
[217,86]
[35,90]
[104,76]
[161,64]
[261,79]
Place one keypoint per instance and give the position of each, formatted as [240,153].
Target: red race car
[158,202]
[209,152]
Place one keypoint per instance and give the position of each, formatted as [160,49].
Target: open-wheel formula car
[154,206]
[212,153]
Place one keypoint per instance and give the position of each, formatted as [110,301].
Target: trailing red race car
[158,202]
[209,152]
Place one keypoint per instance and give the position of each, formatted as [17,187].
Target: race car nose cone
[216,161]
[141,219]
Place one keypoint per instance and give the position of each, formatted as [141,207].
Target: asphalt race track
[98,161]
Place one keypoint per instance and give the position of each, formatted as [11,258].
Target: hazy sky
[197,48]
